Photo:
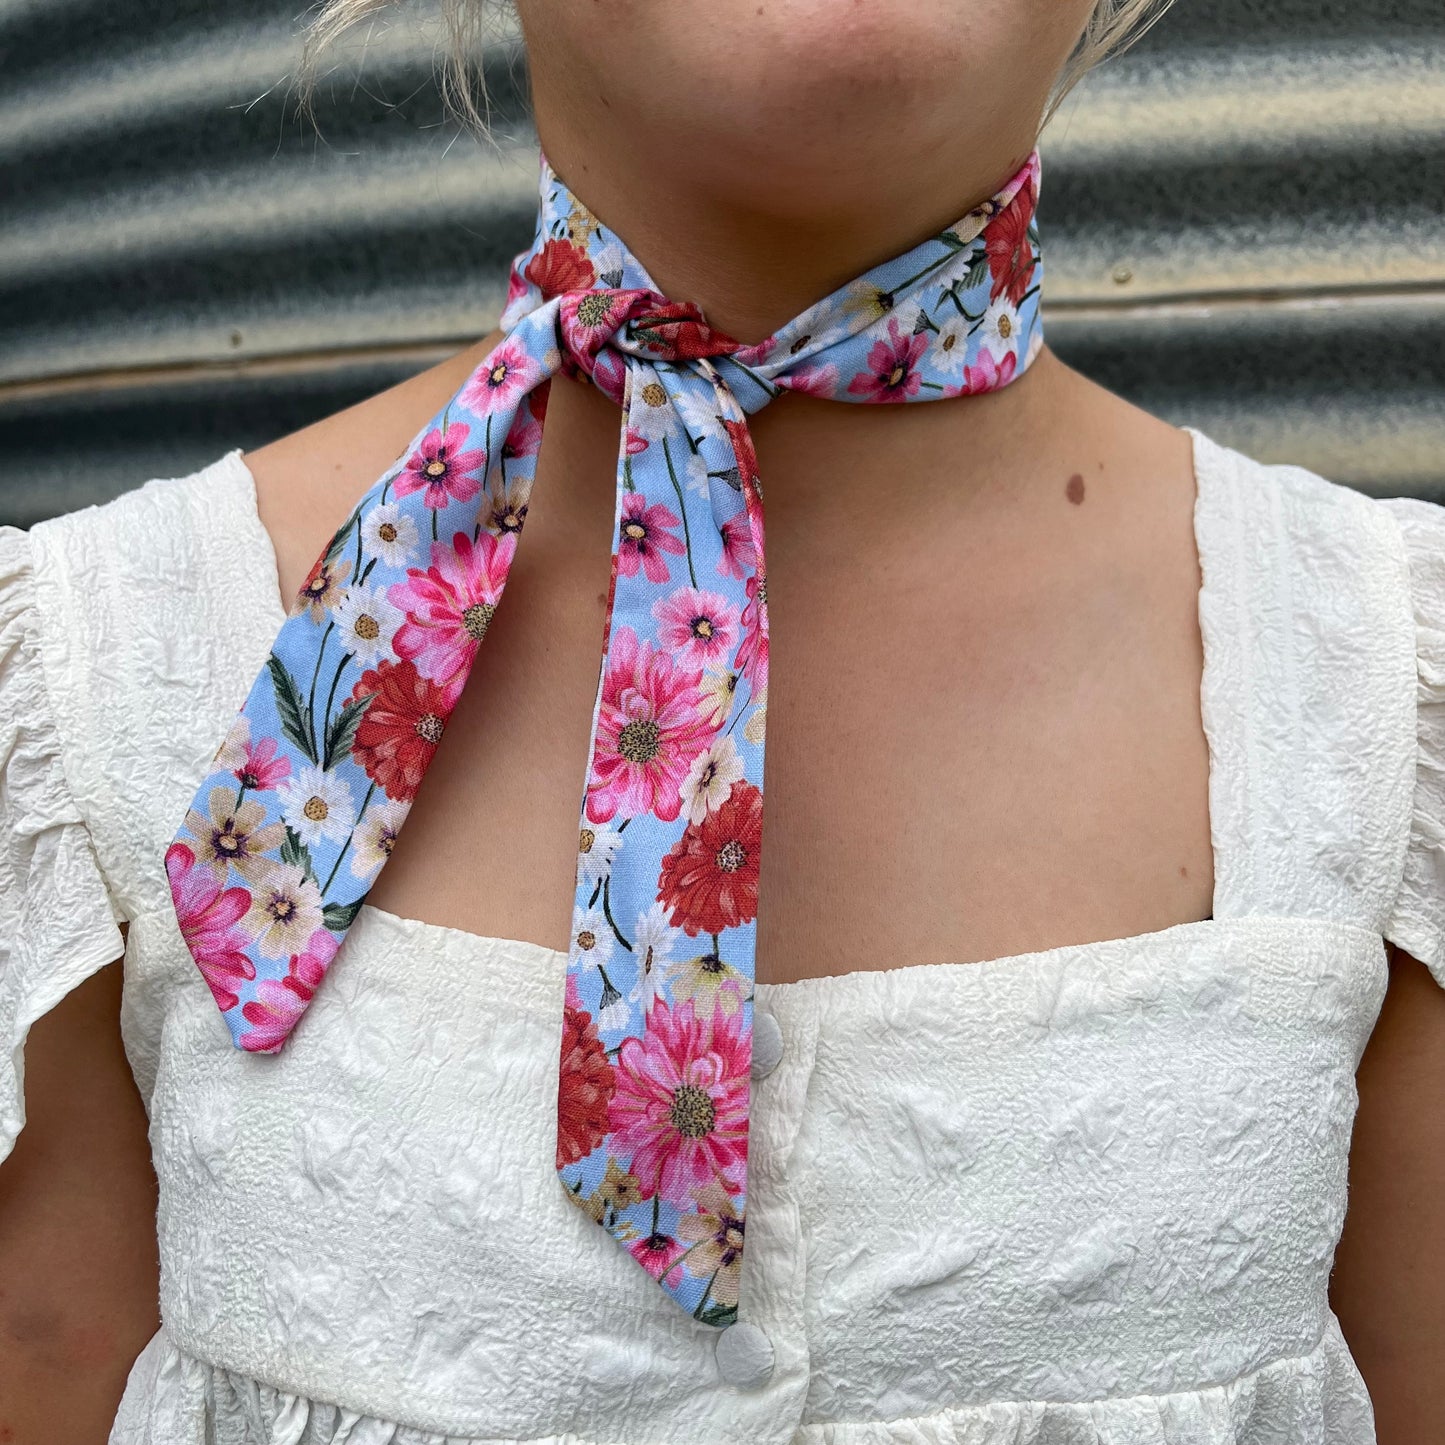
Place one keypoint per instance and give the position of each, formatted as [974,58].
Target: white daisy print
[651,413]
[366,622]
[692,471]
[757,723]
[376,836]
[710,779]
[698,408]
[999,333]
[950,346]
[719,687]
[597,846]
[652,947]
[592,938]
[614,1015]
[387,532]
[317,805]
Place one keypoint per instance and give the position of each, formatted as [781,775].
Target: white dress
[1089,1194]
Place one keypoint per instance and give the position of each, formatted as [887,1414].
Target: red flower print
[743,449]
[262,770]
[738,552]
[657,1253]
[890,374]
[207,914]
[560,266]
[709,879]
[272,1014]
[1010,256]
[643,538]
[681,1104]
[651,723]
[441,469]
[677,330]
[450,605]
[988,373]
[584,1089]
[400,731]
[507,372]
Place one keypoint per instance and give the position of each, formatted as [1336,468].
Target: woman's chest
[966,758]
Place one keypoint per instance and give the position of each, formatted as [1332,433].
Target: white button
[744,1356]
[767,1044]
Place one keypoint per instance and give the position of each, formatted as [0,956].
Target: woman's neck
[753,261]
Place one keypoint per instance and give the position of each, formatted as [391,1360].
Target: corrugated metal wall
[184,268]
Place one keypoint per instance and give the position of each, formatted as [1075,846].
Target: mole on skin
[1075,489]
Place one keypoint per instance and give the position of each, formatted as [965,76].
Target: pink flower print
[988,373]
[442,469]
[450,605]
[739,555]
[656,1253]
[815,380]
[636,442]
[752,658]
[700,626]
[609,375]
[207,915]
[272,1014]
[504,375]
[679,1111]
[891,373]
[261,769]
[650,725]
[525,437]
[643,538]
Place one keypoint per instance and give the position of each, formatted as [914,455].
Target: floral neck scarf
[312,784]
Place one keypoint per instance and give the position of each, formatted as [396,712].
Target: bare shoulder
[308,480]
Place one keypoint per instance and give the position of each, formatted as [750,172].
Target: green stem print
[345,847]
[311,696]
[607,911]
[681,507]
[701,1304]
[331,692]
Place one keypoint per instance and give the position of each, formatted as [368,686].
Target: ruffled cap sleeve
[1417,922]
[57,923]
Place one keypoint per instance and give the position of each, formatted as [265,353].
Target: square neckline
[267,570]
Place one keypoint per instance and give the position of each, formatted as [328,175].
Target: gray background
[1241,219]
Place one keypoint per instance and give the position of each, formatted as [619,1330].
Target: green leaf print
[294,714]
[342,733]
[297,854]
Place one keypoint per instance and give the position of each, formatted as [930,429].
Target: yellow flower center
[316,809]
[640,741]
[436,467]
[477,618]
[429,727]
[367,627]
[693,1112]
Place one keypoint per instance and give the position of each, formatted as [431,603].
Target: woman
[1104,802]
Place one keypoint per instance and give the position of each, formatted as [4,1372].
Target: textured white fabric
[1089,1194]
